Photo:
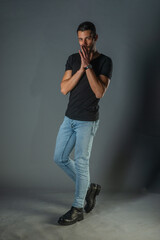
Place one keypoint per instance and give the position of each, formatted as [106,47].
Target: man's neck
[95,54]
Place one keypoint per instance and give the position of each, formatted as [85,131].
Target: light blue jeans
[78,134]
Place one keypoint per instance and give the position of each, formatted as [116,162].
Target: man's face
[86,39]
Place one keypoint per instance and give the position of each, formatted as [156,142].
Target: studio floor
[33,215]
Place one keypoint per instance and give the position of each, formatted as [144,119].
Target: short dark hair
[87,26]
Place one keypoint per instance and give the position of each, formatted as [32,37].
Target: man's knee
[82,163]
[57,158]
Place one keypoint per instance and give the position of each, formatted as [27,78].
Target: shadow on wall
[135,164]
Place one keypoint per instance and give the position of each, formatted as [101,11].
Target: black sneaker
[92,192]
[72,216]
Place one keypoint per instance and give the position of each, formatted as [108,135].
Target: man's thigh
[85,133]
[65,140]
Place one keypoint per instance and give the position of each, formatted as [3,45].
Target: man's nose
[84,43]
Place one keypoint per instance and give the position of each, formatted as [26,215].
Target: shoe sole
[70,223]
[96,193]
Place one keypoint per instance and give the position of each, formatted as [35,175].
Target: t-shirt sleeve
[68,65]
[107,68]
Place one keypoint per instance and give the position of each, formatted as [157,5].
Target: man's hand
[86,57]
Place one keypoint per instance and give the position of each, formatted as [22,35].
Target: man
[87,77]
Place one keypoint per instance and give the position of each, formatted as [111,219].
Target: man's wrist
[81,70]
[89,66]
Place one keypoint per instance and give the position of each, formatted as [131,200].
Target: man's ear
[96,37]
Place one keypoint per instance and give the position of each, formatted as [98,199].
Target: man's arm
[69,82]
[98,84]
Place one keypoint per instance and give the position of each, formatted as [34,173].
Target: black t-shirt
[83,104]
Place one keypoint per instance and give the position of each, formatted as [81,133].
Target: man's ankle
[78,208]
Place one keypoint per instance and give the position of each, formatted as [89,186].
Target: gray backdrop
[36,39]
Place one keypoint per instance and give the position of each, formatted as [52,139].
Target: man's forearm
[95,84]
[68,84]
